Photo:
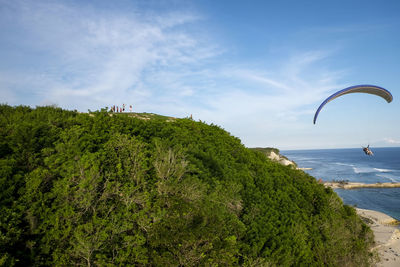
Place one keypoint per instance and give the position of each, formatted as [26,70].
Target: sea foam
[383,170]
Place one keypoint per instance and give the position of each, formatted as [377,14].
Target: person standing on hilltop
[130,108]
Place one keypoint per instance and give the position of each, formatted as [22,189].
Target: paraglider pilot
[367,151]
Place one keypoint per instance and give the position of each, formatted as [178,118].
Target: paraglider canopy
[368,89]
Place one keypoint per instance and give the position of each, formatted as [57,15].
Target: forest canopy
[105,189]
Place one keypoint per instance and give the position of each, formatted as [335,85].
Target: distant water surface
[353,165]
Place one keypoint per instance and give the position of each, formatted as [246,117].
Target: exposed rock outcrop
[279,158]
[273,154]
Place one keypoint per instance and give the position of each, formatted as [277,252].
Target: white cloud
[282,93]
[88,59]
[391,141]
[109,57]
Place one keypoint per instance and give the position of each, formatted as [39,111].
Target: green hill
[105,190]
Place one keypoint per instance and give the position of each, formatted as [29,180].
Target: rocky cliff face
[273,154]
[279,158]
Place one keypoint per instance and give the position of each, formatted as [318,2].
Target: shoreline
[353,185]
[386,235]
[385,228]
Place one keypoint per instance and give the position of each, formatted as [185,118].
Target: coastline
[385,228]
[386,234]
[353,185]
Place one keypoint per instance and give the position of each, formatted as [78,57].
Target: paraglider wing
[368,89]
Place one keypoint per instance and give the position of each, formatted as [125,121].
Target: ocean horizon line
[338,148]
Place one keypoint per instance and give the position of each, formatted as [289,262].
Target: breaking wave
[363,169]
[370,170]
[383,170]
[344,164]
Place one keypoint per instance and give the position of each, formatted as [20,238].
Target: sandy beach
[387,236]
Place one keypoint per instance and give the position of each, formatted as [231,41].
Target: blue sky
[258,69]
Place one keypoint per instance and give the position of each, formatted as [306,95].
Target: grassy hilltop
[101,190]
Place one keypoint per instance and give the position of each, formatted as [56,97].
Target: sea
[353,165]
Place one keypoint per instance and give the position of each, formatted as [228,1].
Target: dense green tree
[104,189]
